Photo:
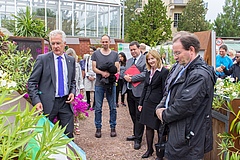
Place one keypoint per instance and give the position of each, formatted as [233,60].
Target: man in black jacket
[234,70]
[186,108]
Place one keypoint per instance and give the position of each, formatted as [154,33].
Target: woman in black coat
[151,96]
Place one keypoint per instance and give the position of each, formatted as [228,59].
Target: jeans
[111,98]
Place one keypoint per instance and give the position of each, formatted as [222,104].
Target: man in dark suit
[134,92]
[52,85]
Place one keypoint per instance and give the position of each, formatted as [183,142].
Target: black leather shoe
[113,132]
[147,154]
[98,133]
[131,138]
[137,145]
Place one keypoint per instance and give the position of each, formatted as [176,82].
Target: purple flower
[55,120]
[79,106]
[26,96]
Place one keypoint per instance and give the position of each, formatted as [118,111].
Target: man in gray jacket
[134,91]
[52,89]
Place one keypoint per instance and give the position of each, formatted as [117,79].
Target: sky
[214,7]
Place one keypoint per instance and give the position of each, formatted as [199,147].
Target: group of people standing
[228,63]
[179,100]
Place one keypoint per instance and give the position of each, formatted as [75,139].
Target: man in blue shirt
[222,60]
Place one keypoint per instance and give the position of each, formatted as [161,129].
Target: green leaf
[234,121]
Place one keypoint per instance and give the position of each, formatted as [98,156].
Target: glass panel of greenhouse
[77,18]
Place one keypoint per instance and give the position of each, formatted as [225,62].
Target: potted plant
[26,24]
[26,134]
[17,64]
[227,100]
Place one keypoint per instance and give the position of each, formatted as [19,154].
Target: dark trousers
[118,89]
[64,114]
[133,103]
[88,99]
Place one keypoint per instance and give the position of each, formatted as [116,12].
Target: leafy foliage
[226,87]
[18,135]
[27,26]
[227,23]
[6,83]
[17,64]
[129,13]
[151,26]
[15,135]
[226,91]
[193,17]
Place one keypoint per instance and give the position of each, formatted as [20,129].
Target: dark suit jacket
[141,65]
[42,82]
[151,95]
[154,90]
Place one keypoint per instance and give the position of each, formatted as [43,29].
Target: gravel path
[106,147]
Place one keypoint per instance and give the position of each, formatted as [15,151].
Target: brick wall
[83,47]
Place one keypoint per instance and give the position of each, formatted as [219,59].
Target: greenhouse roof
[105,1]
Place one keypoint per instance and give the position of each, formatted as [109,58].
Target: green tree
[151,26]
[193,17]
[227,24]
[130,15]
[41,12]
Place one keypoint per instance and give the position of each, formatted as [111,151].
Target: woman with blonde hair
[151,96]
[231,54]
[79,82]
[78,77]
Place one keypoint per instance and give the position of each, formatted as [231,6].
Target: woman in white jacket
[78,77]
[79,83]
[90,77]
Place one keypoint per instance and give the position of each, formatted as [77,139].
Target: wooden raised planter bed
[221,123]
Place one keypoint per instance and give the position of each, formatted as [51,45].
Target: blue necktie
[60,77]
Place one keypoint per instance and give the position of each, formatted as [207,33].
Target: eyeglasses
[105,41]
[56,43]
[176,53]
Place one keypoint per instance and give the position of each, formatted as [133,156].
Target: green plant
[24,139]
[227,145]
[226,87]
[226,91]
[151,26]
[24,133]
[17,64]
[27,26]
[6,83]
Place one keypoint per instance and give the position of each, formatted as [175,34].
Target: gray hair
[72,53]
[177,35]
[143,46]
[57,32]
[187,39]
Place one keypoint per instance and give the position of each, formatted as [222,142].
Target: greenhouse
[78,18]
